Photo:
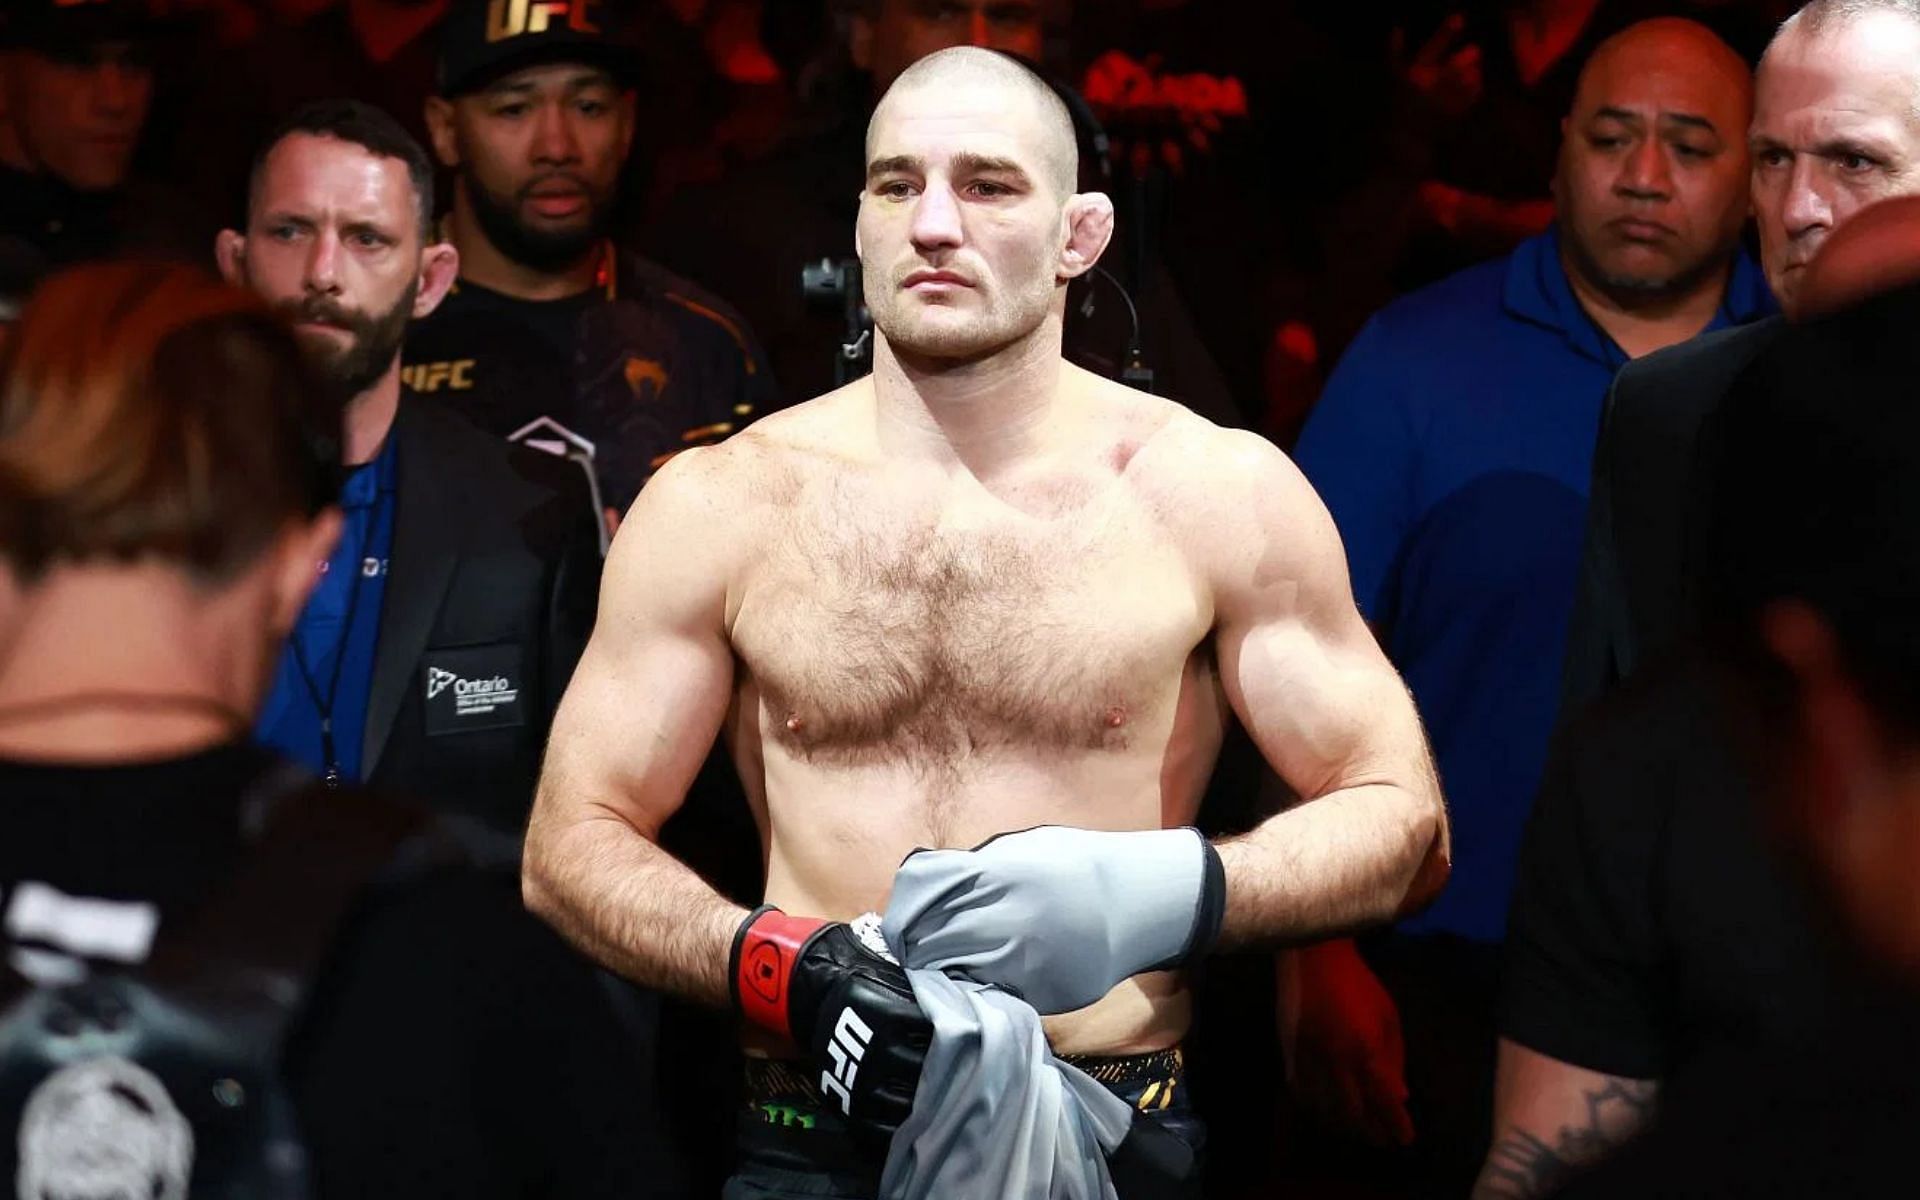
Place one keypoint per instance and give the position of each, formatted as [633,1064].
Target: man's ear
[1089,227]
[230,254]
[439,267]
[439,114]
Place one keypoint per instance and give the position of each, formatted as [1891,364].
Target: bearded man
[431,656]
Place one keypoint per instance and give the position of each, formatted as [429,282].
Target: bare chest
[931,640]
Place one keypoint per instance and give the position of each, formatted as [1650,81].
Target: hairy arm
[1552,1120]
[1368,839]
[643,708]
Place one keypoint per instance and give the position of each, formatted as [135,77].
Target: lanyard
[324,704]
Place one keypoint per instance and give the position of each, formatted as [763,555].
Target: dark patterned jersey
[628,374]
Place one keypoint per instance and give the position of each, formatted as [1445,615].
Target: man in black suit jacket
[1631,599]
[1836,127]
[496,570]
[447,621]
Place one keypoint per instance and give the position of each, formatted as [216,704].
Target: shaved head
[965,67]
[1672,45]
[1829,19]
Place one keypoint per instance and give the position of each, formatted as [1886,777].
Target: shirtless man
[978,591]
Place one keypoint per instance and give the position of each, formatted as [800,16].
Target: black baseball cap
[481,40]
[68,25]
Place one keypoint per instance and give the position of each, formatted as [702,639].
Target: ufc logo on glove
[848,1047]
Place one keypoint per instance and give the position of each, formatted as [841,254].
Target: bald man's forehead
[945,118]
[1874,41]
[1658,77]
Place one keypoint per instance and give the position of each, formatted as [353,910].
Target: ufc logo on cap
[511,18]
[848,1047]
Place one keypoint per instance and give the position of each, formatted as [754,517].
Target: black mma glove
[850,1010]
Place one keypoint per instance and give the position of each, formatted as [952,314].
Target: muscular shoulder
[1239,508]
[1192,470]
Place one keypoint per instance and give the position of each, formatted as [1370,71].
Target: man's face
[333,241]
[1652,179]
[77,116]
[1836,126]
[960,232]
[902,32]
[539,155]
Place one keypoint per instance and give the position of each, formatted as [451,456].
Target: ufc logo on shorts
[848,1047]
[511,18]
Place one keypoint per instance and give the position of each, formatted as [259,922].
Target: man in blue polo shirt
[1453,447]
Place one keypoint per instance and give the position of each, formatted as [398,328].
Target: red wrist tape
[763,966]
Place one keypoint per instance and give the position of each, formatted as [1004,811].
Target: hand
[1442,79]
[1059,916]
[849,1009]
[1340,1032]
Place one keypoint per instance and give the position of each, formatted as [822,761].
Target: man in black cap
[553,335]
[76,81]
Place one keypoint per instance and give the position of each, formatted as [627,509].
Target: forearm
[1351,858]
[1553,1120]
[633,907]
[1524,1162]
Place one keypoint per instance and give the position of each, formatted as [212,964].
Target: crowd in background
[1421,246]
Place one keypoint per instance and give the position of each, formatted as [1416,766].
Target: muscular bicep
[1552,1120]
[1304,673]
[652,688]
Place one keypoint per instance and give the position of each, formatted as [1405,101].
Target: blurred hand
[1443,77]
[1340,1032]
[1439,206]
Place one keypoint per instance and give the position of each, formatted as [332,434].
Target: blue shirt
[354,582]
[1454,446]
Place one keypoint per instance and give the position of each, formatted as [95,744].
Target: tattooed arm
[1552,1120]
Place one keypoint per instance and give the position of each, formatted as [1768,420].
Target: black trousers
[794,1147]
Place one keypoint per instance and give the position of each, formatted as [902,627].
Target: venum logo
[848,1047]
[511,18]
[437,681]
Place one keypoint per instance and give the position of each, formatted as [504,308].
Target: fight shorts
[793,1146]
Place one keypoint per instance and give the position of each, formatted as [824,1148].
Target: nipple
[1116,717]
[794,723]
